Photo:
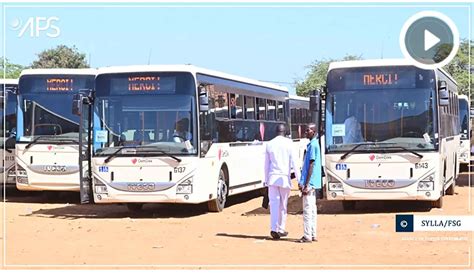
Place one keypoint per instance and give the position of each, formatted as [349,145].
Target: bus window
[271,112]
[236,102]
[280,111]
[249,107]
[261,109]
[218,104]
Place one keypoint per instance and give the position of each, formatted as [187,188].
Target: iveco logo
[140,186]
[379,183]
[55,168]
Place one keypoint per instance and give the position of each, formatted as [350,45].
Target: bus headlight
[11,172]
[21,175]
[99,187]
[425,186]
[185,187]
[335,186]
[427,183]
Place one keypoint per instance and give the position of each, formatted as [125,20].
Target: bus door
[83,107]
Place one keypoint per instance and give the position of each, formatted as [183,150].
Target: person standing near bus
[308,184]
[279,160]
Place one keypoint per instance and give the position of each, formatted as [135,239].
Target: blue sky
[273,44]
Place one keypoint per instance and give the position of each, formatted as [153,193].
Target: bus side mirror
[203,99]
[443,93]
[77,105]
[11,141]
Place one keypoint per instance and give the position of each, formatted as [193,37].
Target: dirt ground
[61,233]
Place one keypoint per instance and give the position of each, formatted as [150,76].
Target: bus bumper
[48,186]
[106,194]
[392,195]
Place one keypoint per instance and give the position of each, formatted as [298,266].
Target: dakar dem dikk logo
[37,26]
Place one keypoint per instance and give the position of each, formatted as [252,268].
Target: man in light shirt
[279,160]
[353,132]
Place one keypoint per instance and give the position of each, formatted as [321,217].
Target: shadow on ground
[72,208]
[465,179]
[295,207]
[255,237]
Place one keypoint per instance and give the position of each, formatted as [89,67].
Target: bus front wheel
[438,203]
[450,190]
[218,204]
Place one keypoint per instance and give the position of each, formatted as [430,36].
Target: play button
[429,39]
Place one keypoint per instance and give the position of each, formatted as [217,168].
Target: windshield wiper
[355,148]
[112,155]
[51,139]
[380,143]
[407,150]
[109,158]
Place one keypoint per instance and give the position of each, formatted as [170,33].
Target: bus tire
[218,204]
[450,190]
[134,206]
[438,203]
[348,205]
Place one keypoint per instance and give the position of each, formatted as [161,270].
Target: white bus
[300,117]
[175,134]
[8,128]
[47,131]
[464,121]
[392,132]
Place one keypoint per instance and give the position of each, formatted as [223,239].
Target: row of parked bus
[184,134]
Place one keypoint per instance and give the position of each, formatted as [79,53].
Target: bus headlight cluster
[335,186]
[185,187]
[464,155]
[427,183]
[425,186]
[21,175]
[99,187]
[11,172]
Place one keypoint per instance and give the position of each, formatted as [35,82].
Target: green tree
[316,76]
[459,67]
[12,71]
[61,57]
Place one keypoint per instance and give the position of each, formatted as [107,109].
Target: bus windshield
[46,105]
[154,112]
[7,113]
[393,106]
[464,118]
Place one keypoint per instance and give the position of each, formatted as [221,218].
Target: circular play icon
[430,39]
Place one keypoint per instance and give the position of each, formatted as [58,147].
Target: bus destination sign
[59,84]
[144,84]
[380,78]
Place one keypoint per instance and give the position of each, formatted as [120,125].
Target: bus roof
[59,71]
[186,68]
[8,81]
[379,62]
[296,97]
